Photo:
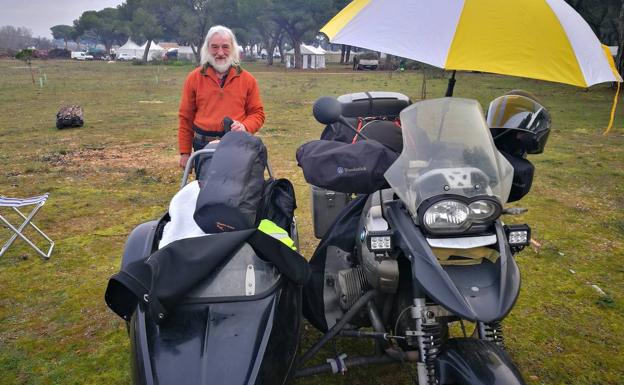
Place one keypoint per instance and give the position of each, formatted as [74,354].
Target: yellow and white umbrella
[539,39]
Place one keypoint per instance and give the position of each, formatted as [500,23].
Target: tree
[63,32]
[105,26]
[301,19]
[27,55]
[188,21]
[256,15]
[146,25]
[606,18]
[15,37]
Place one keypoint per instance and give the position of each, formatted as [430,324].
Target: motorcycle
[421,246]
[405,261]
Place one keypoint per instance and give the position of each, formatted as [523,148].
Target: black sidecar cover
[163,279]
[184,338]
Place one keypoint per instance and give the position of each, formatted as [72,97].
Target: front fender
[469,361]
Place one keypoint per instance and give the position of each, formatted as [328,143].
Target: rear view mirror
[327,110]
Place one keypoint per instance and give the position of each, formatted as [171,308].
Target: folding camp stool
[14,203]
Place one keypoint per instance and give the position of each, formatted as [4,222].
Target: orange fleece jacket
[205,103]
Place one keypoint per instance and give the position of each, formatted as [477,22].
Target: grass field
[120,170]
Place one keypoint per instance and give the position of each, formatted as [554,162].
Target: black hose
[360,303]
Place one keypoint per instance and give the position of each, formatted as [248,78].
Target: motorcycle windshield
[447,149]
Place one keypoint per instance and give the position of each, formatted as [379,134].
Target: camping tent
[155,51]
[130,48]
[313,58]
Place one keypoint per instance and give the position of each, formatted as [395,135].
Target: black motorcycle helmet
[519,123]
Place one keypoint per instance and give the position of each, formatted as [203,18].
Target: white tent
[130,48]
[313,58]
[155,51]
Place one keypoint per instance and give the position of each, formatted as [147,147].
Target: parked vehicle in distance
[124,56]
[367,60]
[79,55]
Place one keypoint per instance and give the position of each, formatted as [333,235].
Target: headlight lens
[452,216]
[482,210]
[447,215]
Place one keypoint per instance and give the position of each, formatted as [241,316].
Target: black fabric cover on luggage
[352,168]
[230,197]
[341,234]
[522,177]
[340,132]
[278,203]
[164,279]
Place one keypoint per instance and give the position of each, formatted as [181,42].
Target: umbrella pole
[451,85]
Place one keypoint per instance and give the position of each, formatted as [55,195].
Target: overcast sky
[40,15]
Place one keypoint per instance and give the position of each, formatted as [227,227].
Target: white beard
[220,67]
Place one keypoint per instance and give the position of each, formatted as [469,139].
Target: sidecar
[240,325]
[222,308]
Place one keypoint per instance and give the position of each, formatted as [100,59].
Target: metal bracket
[250,280]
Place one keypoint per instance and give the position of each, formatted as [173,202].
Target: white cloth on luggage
[181,209]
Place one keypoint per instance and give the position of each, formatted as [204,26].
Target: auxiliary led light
[378,241]
[518,235]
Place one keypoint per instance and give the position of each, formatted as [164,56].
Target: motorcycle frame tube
[360,303]
[429,276]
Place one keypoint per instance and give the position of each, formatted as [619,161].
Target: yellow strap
[617,93]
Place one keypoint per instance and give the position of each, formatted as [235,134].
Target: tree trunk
[280,47]
[196,53]
[343,50]
[298,57]
[348,55]
[146,52]
[270,52]
[108,46]
[32,74]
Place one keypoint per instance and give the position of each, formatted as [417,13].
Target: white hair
[223,31]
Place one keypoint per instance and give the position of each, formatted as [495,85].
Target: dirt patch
[118,158]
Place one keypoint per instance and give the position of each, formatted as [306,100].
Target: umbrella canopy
[539,39]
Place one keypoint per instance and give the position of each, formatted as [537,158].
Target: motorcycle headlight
[455,215]
[447,215]
[482,210]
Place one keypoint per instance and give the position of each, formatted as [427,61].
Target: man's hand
[184,160]
[238,126]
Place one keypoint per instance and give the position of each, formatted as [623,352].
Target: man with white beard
[217,89]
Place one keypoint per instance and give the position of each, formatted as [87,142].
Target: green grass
[120,169]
